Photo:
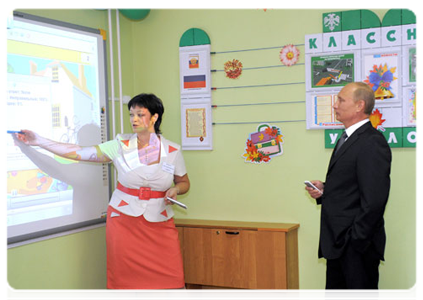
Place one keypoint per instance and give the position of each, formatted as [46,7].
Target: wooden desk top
[258,226]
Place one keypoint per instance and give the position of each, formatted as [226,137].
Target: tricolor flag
[194,81]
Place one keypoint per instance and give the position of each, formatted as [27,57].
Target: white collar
[350,130]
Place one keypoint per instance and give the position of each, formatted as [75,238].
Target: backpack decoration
[263,145]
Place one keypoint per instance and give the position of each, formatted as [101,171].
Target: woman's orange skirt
[142,254]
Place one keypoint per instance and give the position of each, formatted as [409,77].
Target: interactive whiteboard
[57,87]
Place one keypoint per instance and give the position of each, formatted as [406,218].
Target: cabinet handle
[232,232]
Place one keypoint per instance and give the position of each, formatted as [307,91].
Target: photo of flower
[289,55]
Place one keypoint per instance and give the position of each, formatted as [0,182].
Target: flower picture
[380,79]
[289,55]
[233,69]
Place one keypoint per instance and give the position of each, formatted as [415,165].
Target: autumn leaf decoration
[376,120]
[233,69]
[254,155]
[275,132]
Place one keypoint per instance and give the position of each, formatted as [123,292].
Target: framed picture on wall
[409,64]
[196,125]
[320,113]
[409,106]
[194,66]
[331,70]
[381,70]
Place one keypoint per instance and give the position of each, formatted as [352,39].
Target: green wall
[223,186]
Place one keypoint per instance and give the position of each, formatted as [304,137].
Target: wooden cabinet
[247,255]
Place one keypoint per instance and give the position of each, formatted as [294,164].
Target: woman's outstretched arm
[71,151]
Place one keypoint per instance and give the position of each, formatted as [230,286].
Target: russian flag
[194,81]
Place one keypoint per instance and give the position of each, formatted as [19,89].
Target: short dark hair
[152,103]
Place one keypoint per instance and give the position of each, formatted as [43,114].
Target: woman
[143,249]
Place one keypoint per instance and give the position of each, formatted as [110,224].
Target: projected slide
[52,89]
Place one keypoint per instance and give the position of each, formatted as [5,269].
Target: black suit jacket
[355,195]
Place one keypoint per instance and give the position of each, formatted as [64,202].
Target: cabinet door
[235,258]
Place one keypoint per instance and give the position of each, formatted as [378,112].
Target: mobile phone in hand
[309,184]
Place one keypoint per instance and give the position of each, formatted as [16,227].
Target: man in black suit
[354,195]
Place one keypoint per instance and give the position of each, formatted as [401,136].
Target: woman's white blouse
[123,151]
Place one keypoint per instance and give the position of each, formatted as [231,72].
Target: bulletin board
[195,88]
[381,54]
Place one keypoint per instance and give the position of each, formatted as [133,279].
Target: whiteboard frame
[35,236]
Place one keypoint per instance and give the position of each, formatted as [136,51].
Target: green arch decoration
[351,20]
[392,18]
[194,37]
[364,18]
[369,19]
[396,17]
[408,17]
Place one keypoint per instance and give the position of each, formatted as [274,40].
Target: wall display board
[356,46]
[195,87]
[57,87]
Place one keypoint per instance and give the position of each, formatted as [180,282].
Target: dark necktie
[341,141]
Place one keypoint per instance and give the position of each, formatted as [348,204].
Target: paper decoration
[195,84]
[380,79]
[194,81]
[332,21]
[381,69]
[289,55]
[409,65]
[263,145]
[384,57]
[194,60]
[194,65]
[320,113]
[376,120]
[412,64]
[409,95]
[196,125]
[331,70]
[233,69]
